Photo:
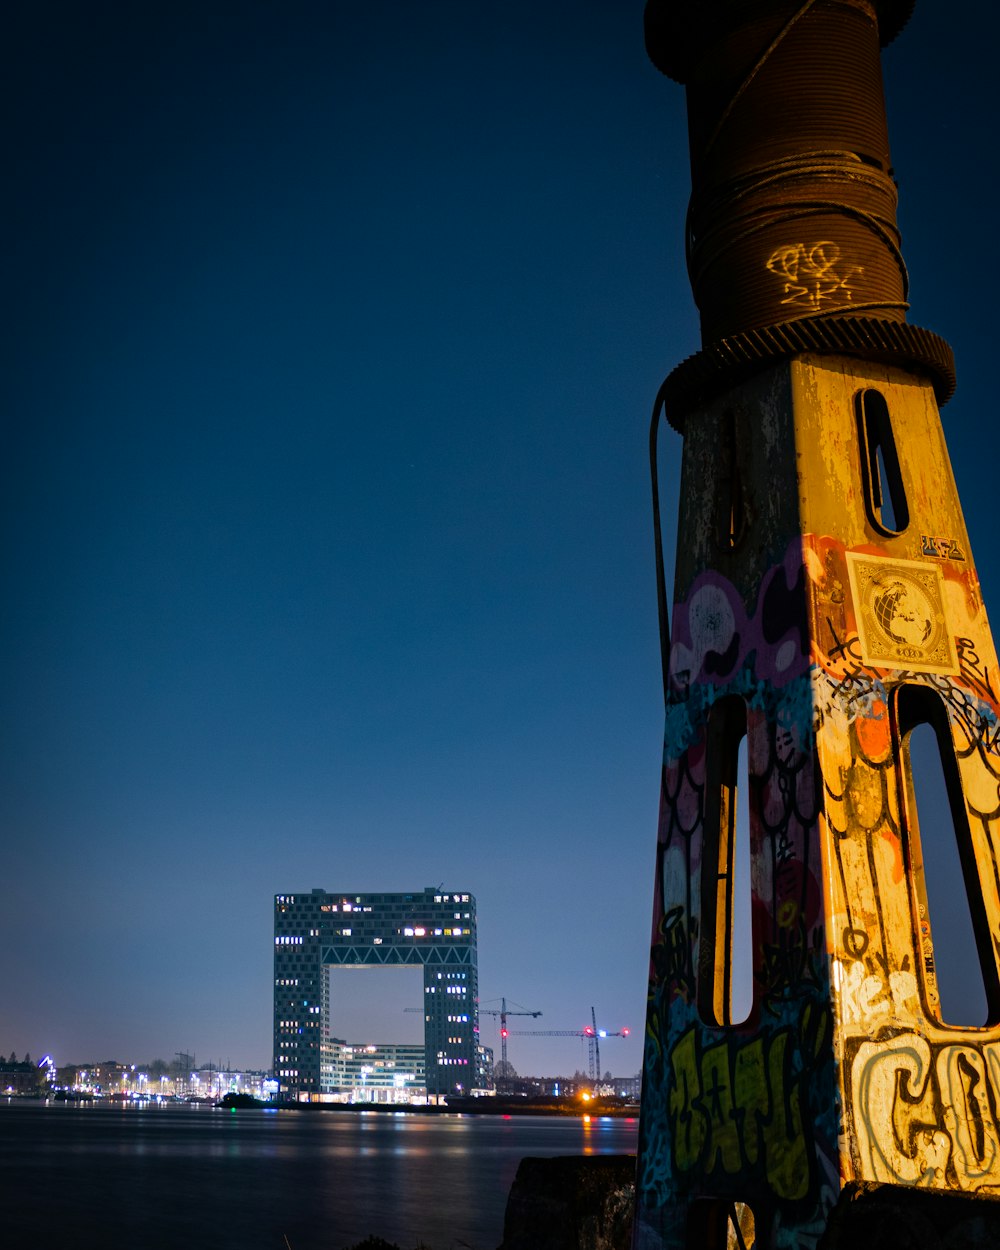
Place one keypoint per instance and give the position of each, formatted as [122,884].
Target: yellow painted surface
[794,601]
[920,1097]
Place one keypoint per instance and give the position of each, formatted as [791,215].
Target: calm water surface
[179,1176]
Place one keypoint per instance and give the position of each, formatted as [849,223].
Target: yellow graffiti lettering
[787,1163]
[690,1128]
[735,1107]
[961,1075]
[879,1074]
[753,1098]
[924,1119]
[724,1137]
[811,273]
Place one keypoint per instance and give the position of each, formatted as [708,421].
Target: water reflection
[97,1177]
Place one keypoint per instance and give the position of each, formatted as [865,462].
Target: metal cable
[758,66]
[833,182]
[662,612]
[812,167]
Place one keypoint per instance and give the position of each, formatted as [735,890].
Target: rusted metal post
[825,605]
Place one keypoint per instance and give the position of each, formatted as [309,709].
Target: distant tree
[13,1057]
[27,1056]
[158,1068]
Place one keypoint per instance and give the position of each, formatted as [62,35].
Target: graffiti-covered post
[825,607]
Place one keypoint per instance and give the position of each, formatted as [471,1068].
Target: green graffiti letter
[717,1096]
[688,1121]
[787,1159]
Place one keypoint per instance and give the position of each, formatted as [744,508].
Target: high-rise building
[320,930]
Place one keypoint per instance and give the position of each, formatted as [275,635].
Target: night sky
[331,337]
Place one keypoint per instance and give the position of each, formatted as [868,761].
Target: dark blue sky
[332,332]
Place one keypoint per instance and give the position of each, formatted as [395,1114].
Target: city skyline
[332,340]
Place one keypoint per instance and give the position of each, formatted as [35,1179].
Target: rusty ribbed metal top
[680,32]
[793,202]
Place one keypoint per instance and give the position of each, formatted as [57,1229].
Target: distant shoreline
[480,1106]
[596,1109]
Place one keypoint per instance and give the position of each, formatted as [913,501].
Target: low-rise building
[377,1073]
[20,1080]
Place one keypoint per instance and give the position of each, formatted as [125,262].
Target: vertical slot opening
[725,971]
[731,521]
[720,1224]
[665,478]
[885,498]
[959,970]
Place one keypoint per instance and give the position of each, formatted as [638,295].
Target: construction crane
[503,1013]
[591,1032]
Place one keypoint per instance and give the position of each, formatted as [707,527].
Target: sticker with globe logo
[899,606]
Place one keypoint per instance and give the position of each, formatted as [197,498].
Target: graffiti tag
[736,1107]
[809,273]
[865,995]
[940,548]
[922,1113]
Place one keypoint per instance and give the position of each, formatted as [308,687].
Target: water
[112,1177]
